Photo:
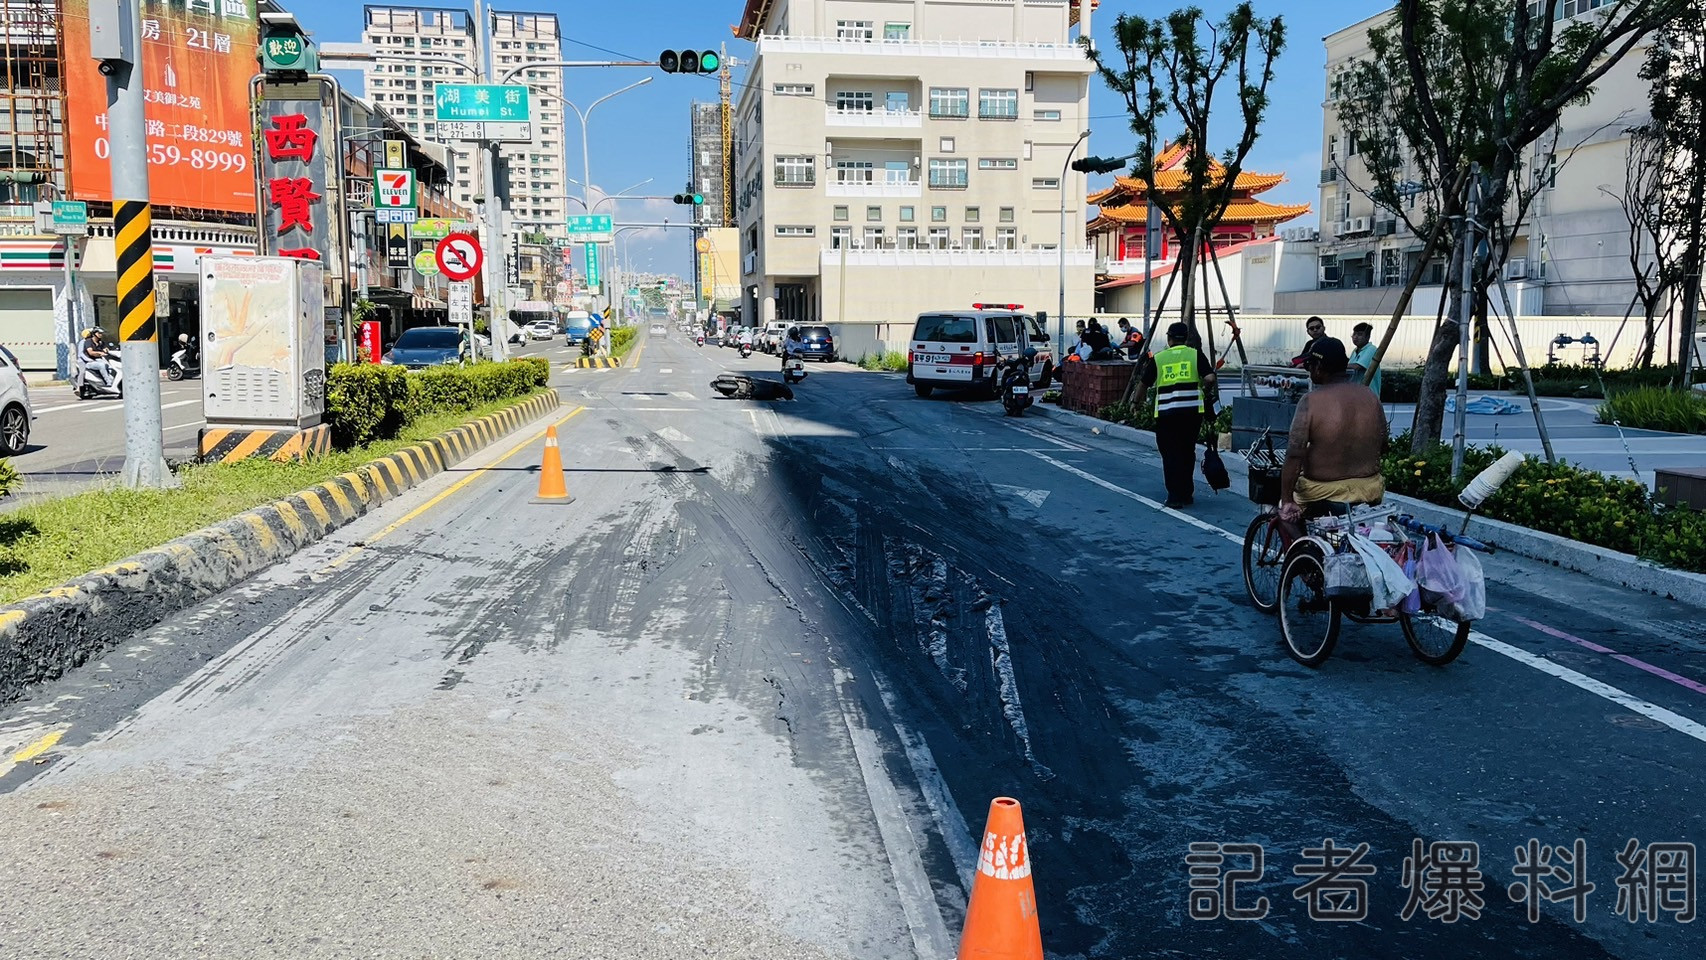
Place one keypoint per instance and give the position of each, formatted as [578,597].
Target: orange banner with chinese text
[197,58]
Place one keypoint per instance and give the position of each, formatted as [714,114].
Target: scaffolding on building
[32,111]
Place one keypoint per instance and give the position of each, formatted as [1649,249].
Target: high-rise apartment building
[706,161]
[421,47]
[897,157]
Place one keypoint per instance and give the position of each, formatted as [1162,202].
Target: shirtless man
[1336,438]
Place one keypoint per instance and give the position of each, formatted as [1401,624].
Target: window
[897,171]
[1045,115]
[1006,214]
[949,102]
[1332,149]
[860,101]
[998,104]
[1030,81]
[938,214]
[854,30]
[947,144]
[1549,171]
[1027,149]
[873,214]
[972,238]
[1350,145]
[1007,238]
[840,237]
[853,171]
[998,163]
[1045,183]
[796,171]
[947,174]
[973,214]
[1391,267]
[906,215]
[906,238]
[874,237]
[795,89]
[897,31]
[938,238]
[840,214]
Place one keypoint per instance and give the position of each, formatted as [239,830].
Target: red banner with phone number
[197,58]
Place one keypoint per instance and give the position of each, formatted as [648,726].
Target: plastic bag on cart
[1473,606]
[1439,575]
[1347,575]
[1412,604]
[1387,582]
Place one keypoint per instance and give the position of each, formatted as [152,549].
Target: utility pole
[118,48]
[496,278]
[1466,315]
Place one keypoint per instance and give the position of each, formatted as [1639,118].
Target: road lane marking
[183,426]
[1047,438]
[1635,662]
[180,403]
[39,747]
[666,370]
[351,553]
[660,409]
[1622,698]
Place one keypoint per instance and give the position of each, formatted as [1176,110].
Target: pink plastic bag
[1438,575]
[1412,604]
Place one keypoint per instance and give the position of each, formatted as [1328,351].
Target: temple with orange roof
[1116,232]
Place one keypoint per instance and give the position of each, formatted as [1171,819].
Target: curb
[43,636]
[1606,566]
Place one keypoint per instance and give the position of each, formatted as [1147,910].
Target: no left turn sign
[458,256]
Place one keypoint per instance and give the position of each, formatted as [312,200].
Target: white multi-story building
[897,156]
[412,45]
[1571,255]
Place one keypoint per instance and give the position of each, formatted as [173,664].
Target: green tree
[1454,84]
[1171,71]
[1676,67]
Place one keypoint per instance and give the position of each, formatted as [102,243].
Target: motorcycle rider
[186,343]
[97,358]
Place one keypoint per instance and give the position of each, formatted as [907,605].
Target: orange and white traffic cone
[1001,920]
[552,488]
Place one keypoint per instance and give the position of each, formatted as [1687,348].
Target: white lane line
[108,406]
[950,822]
[68,406]
[180,403]
[660,409]
[683,394]
[1001,662]
[182,426]
[930,937]
[1046,438]
[1598,688]
[666,370]
[1140,498]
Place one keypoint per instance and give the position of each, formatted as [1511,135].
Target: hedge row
[368,402]
[1558,498]
[621,338]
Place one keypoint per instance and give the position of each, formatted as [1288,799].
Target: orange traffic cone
[551,485]
[1001,920]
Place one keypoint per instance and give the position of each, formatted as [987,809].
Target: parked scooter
[186,360]
[88,386]
[1013,385]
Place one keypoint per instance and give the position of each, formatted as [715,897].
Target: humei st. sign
[197,58]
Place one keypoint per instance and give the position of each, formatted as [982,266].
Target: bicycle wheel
[1264,555]
[1309,621]
[1434,640]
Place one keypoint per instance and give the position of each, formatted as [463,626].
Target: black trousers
[1176,438]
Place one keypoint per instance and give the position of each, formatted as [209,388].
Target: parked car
[541,330]
[957,349]
[770,341]
[427,347]
[16,414]
[819,343]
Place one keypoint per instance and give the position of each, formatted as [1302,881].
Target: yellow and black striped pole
[144,445]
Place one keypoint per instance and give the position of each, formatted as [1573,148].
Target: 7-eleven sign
[394,189]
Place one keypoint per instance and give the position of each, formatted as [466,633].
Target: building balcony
[883,119]
[861,256]
[969,49]
[874,188]
[1131,267]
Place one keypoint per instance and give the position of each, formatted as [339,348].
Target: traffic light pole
[497,283]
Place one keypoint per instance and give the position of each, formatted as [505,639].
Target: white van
[957,349]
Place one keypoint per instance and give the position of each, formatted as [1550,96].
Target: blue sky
[643,133]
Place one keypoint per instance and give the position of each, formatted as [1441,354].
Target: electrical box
[263,324]
[112,31]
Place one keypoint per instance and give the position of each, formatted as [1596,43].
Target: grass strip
[45,544]
[622,340]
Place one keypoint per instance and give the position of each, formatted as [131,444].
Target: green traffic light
[710,62]
[698,198]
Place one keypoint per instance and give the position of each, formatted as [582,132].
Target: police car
[957,349]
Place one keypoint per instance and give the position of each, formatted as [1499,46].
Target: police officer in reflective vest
[1183,380]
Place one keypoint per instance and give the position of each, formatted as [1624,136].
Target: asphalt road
[750,695]
[75,444]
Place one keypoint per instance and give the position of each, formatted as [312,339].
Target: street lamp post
[1060,318]
[586,150]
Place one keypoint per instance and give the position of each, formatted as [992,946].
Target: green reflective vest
[1176,385]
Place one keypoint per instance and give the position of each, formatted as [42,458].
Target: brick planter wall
[1088,387]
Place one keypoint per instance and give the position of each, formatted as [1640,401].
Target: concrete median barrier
[43,636]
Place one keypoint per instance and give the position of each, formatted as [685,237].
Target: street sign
[590,228]
[458,256]
[286,50]
[562,288]
[436,228]
[592,276]
[394,189]
[481,103]
[596,333]
[384,215]
[461,303]
[495,132]
[70,218]
[426,264]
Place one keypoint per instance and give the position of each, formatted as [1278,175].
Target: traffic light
[690,61]
[1100,164]
[693,199]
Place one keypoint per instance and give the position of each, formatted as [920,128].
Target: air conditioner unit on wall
[1359,224]
[1516,268]
[1344,227]
[1385,228]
